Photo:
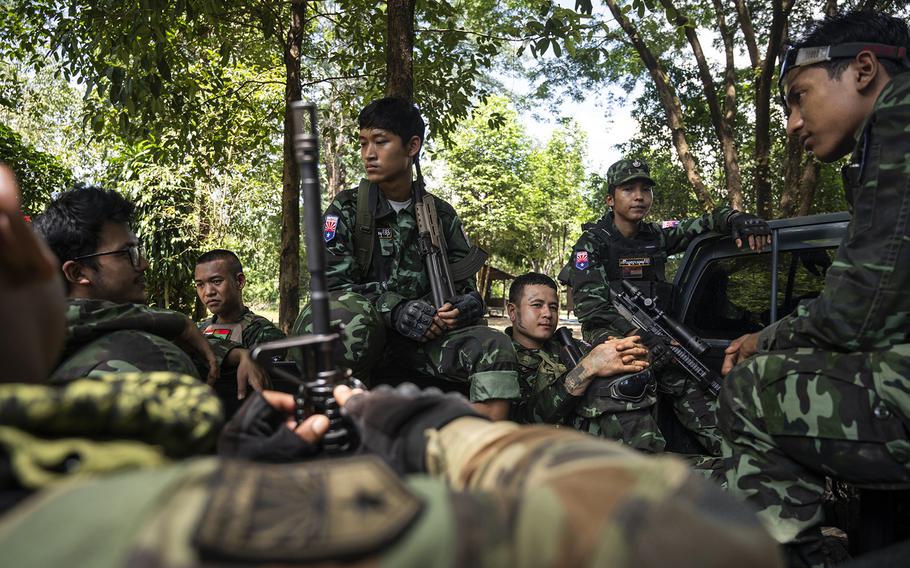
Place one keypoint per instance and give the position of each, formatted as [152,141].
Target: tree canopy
[183,107]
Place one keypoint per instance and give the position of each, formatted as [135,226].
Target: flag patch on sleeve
[331,224]
[581,259]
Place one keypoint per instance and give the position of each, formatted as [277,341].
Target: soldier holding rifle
[622,246]
[381,268]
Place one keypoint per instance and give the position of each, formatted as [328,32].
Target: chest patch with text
[633,267]
[384,233]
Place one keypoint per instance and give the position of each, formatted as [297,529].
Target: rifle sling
[365,229]
[365,234]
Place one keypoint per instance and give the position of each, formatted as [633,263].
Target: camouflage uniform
[476,356]
[498,495]
[827,393]
[106,423]
[103,337]
[253,329]
[602,256]
[544,399]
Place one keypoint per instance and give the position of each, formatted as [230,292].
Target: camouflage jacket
[864,305]
[587,270]
[102,424]
[396,271]
[254,329]
[104,337]
[498,494]
[541,377]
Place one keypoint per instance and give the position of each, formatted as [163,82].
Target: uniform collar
[243,314]
[380,205]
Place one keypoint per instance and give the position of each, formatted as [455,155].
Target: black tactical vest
[640,259]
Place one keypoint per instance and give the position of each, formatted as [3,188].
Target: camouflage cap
[626,170]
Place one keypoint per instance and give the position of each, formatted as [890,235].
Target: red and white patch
[328,229]
[581,259]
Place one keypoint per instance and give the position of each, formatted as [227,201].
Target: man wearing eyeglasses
[826,393]
[109,327]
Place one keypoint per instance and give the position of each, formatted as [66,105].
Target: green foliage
[39,174]
[522,202]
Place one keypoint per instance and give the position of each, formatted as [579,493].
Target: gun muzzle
[569,353]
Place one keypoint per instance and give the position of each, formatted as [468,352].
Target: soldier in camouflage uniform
[219,284]
[109,329]
[502,495]
[826,393]
[621,246]
[496,494]
[391,330]
[534,311]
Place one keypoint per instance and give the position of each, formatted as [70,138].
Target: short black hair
[72,223]
[395,114]
[529,279]
[855,27]
[222,254]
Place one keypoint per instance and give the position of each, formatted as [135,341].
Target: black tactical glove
[392,421]
[469,306]
[412,318]
[658,348]
[744,225]
[259,432]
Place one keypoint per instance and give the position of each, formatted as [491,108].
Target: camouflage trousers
[634,427]
[477,358]
[695,409]
[124,351]
[790,418]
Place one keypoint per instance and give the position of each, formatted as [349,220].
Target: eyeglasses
[135,252]
[802,56]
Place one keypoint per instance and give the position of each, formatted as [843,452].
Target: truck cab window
[734,294]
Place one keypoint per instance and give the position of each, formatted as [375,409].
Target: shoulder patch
[304,512]
[581,259]
[329,228]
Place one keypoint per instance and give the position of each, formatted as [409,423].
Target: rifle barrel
[306,150]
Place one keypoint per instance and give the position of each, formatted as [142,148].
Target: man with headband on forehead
[826,393]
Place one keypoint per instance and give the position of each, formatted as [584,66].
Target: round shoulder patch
[311,511]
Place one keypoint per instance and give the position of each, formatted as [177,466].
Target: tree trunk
[808,184]
[762,181]
[204,231]
[289,268]
[722,127]
[789,199]
[399,49]
[671,104]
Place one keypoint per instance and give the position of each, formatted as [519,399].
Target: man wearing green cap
[621,246]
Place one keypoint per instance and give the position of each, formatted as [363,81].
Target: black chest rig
[640,259]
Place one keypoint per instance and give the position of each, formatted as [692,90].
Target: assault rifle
[319,374]
[644,314]
[431,242]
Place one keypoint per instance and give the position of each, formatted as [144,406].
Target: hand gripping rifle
[644,314]
[319,374]
[431,242]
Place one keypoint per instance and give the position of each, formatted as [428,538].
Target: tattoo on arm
[577,380]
